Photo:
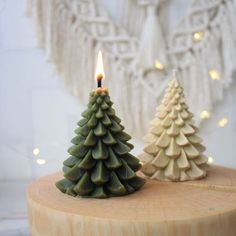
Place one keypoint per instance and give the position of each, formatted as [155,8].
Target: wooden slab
[206,207]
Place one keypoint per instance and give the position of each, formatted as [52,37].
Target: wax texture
[174,152]
[100,165]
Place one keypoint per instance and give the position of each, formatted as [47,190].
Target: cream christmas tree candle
[174,151]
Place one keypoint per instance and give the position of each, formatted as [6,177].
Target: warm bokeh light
[223,122]
[198,36]
[214,74]
[36,151]
[41,161]
[159,65]
[210,160]
[205,114]
[99,73]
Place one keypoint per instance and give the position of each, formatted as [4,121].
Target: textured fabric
[72,32]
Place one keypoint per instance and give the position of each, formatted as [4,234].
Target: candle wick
[99,83]
[99,80]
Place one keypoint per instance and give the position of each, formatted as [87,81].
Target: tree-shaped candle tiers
[174,152]
[100,164]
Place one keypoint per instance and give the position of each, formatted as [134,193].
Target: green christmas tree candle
[100,165]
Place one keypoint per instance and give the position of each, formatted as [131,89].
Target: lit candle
[100,165]
[99,73]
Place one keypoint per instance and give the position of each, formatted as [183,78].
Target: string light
[41,161]
[214,74]
[223,122]
[205,114]
[210,160]
[198,36]
[159,65]
[36,151]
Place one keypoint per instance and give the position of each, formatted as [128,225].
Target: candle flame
[99,73]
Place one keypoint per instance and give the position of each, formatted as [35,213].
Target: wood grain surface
[205,207]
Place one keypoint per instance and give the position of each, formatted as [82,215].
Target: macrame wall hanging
[202,47]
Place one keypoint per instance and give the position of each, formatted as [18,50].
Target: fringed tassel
[152,45]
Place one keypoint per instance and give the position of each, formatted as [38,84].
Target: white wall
[36,110]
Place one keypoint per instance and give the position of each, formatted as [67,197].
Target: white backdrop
[36,111]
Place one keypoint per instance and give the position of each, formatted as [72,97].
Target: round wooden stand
[206,207]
